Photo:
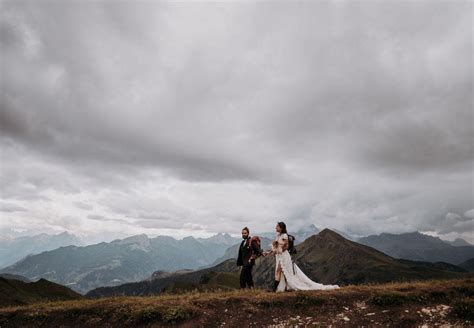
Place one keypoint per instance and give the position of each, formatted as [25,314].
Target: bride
[288,276]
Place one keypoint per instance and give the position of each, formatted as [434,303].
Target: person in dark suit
[249,249]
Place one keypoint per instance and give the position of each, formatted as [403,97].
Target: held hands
[275,248]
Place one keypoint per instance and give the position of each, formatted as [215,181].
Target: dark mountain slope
[468,265]
[16,292]
[180,280]
[329,258]
[419,247]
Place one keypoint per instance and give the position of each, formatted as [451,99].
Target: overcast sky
[120,118]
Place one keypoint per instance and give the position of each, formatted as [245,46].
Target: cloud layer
[193,118]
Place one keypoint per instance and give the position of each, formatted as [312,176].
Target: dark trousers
[246,276]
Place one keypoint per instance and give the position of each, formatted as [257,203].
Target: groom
[249,249]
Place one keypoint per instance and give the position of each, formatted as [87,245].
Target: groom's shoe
[275,285]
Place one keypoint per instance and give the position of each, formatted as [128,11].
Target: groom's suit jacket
[245,252]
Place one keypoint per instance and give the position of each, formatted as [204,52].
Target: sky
[191,118]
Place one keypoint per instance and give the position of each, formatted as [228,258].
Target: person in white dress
[288,276]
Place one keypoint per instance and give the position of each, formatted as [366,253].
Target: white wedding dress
[292,277]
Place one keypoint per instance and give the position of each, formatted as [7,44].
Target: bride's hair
[282,226]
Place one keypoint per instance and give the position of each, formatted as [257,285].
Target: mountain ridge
[119,261]
[327,258]
[15,249]
[418,247]
[16,292]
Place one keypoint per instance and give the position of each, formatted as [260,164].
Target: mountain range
[420,247]
[220,238]
[120,261]
[266,239]
[136,258]
[124,260]
[458,242]
[330,258]
[327,257]
[14,249]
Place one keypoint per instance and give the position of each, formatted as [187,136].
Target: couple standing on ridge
[288,276]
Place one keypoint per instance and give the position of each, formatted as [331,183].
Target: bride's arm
[274,249]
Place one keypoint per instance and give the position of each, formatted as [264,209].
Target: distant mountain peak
[458,242]
[328,233]
[140,241]
[136,237]
[220,238]
[419,247]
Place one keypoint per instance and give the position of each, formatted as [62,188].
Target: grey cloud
[456,223]
[196,140]
[172,224]
[104,219]
[469,214]
[351,114]
[84,206]
[10,207]
[154,217]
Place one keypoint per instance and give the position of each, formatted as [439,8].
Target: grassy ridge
[16,292]
[401,304]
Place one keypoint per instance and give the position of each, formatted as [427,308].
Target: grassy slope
[175,282]
[16,292]
[468,265]
[399,304]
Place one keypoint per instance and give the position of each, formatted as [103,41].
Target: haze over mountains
[138,257]
[120,261]
[14,249]
[420,247]
[327,257]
